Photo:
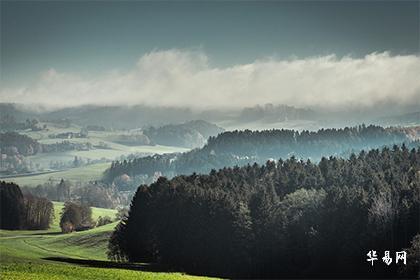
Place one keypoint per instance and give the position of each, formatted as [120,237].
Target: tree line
[23,212]
[289,218]
[15,149]
[94,194]
[12,143]
[243,147]
[9,123]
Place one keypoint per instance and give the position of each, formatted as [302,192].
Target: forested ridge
[289,218]
[243,147]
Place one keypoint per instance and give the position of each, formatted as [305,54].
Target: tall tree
[12,206]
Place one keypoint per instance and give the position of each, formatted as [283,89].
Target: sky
[204,54]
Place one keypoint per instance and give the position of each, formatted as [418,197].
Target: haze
[327,55]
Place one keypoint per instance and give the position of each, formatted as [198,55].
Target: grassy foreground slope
[80,255]
[84,173]
[58,271]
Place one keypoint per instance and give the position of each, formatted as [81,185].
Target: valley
[178,140]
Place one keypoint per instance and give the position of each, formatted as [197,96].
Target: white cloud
[183,78]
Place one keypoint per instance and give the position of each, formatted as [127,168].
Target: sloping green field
[91,172]
[35,244]
[109,138]
[80,255]
[52,271]
[84,174]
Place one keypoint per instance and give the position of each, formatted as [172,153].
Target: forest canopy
[290,218]
[246,147]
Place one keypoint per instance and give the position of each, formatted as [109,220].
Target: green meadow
[83,174]
[109,138]
[49,254]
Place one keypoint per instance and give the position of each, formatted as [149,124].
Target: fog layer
[187,79]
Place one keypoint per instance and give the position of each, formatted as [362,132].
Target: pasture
[80,174]
[49,254]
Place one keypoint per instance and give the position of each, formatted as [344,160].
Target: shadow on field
[48,233]
[109,264]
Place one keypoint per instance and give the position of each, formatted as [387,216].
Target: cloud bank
[186,79]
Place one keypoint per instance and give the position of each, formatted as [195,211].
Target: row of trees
[9,123]
[95,194]
[243,147]
[23,212]
[15,149]
[288,218]
[12,143]
[17,164]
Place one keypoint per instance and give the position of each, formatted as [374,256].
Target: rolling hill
[80,255]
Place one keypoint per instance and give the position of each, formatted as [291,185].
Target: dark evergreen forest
[242,147]
[286,218]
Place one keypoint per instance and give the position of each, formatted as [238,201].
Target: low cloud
[186,79]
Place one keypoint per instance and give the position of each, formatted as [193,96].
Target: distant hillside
[258,117]
[145,125]
[275,113]
[408,119]
[128,117]
[191,134]
[246,147]
[8,110]
[117,117]
[121,117]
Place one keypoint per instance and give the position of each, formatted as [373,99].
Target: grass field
[85,173]
[113,152]
[95,138]
[88,172]
[81,255]
[96,212]
[49,254]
